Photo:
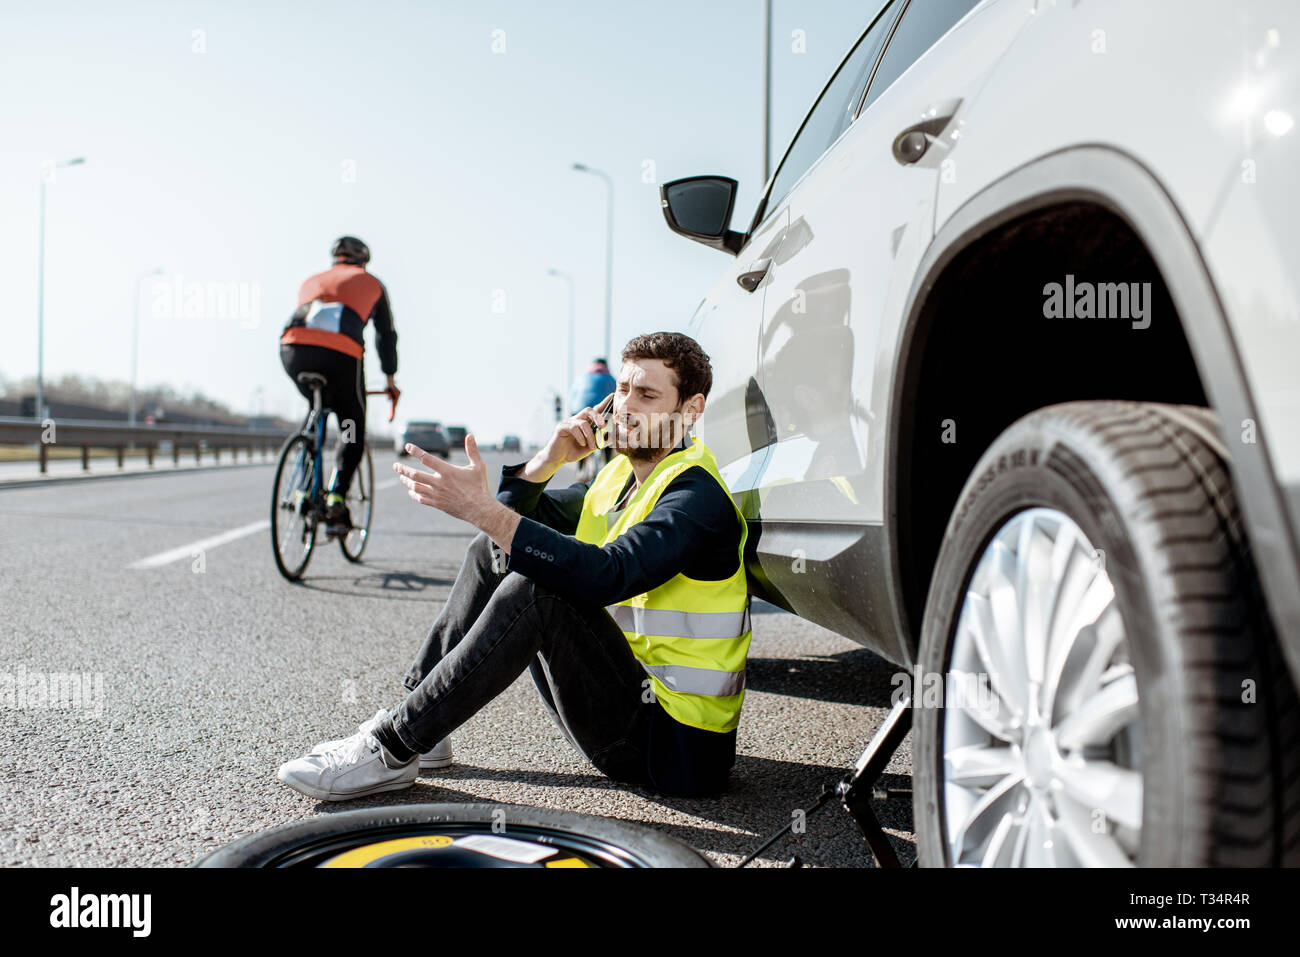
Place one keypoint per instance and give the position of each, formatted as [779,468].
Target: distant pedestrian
[590,389]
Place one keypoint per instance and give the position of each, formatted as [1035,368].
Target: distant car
[428,436]
[456,435]
[511,443]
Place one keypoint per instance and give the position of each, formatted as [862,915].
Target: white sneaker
[439,756]
[359,766]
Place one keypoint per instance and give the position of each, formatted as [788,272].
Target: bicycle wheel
[293,519]
[456,835]
[361,505]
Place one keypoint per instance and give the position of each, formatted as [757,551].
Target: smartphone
[602,433]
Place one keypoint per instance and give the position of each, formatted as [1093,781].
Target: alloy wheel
[1042,766]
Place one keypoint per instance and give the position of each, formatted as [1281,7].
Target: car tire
[1215,730]
[313,842]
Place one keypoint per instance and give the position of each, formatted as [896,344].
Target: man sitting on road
[626,600]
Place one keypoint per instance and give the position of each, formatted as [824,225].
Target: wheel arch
[1117,183]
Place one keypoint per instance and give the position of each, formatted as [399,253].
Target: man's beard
[639,454]
[639,451]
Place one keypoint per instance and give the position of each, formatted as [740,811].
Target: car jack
[858,788]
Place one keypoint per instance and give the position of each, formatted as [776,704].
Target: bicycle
[298,500]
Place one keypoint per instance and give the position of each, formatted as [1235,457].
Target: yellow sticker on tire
[368,854]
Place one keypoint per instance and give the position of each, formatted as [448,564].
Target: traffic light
[558,414]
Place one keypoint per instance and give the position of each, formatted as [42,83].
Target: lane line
[203,544]
[187,551]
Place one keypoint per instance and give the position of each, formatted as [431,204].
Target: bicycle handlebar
[393,395]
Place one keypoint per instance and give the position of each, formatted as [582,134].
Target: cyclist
[589,391]
[325,335]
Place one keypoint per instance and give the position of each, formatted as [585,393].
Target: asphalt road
[215,670]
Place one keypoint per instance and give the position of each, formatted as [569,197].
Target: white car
[1006,385]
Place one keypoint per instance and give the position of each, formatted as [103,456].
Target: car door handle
[914,142]
[753,274]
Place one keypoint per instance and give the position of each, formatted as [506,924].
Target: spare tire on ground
[456,835]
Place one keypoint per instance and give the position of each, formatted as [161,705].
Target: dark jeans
[493,626]
[344,392]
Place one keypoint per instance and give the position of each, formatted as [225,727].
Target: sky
[228,144]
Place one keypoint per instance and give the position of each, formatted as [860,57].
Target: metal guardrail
[97,434]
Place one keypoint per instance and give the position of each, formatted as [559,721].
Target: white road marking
[203,544]
[187,551]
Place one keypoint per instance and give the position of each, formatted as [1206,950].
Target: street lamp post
[135,333]
[568,364]
[609,246]
[40,288]
[767,86]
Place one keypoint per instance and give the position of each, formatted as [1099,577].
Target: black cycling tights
[344,392]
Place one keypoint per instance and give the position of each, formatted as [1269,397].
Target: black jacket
[692,530]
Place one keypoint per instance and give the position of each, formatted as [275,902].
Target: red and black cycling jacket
[333,308]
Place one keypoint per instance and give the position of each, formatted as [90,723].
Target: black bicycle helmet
[351,250]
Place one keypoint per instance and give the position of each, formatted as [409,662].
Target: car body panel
[726,326]
[1220,150]
[1043,105]
[1120,183]
[851,231]
[1213,145]
[859,223]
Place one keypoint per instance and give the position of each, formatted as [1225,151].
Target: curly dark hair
[680,353]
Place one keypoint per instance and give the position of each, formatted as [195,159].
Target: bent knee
[515,583]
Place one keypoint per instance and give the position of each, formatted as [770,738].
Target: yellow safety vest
[691,636]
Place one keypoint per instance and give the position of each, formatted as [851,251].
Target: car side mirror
[699,208]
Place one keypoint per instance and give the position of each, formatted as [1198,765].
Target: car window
[923,23]
[833,111]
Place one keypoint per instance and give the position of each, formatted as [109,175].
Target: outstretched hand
[459,490]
